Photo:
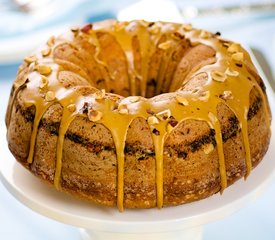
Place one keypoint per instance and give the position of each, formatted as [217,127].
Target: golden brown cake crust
[179,137]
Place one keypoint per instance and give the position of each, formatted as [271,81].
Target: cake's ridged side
[86,155]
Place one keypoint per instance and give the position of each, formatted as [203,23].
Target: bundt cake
[139,114]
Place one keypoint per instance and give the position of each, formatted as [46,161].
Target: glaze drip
[116,113]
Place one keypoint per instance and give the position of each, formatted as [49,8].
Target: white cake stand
[102,223]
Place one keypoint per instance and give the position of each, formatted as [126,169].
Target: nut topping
[71,107]
[30,59]
[205,34]
[163,115]
[94,115]
[51,41]
[134,99]
[50,96]
[218,76]
[100,94]
[208,148]
[204,96]
[46,52]
[187,27]
[43,69]
[154,29]
[43,82]
[152,120]
[165,45]
[233,48]
[226,95]
[238,57]
[231,72]
[122,109]
[182,100]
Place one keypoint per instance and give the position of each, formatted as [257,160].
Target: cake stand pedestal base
[194,233]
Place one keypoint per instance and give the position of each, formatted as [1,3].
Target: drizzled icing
[201,105]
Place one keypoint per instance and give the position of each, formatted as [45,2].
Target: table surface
[255,221]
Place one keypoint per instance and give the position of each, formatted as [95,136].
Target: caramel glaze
[200,104]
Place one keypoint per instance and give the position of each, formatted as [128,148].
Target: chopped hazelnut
[187,27]
[226,44]
[204,96]
[43,82]
[134,99]
[218,76]
[182,100]
[46,52]
[163,115]
[226,95]
[205,34]
[30,59]
[100,94]
[50,96]
[71,107]
[194,44]
[233,48]
[94,115]
[237,56]
[43,69]
[122,109]
[51,41]
[231,72]
[154,29]
[152,120]
[208,148]
[165,45]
